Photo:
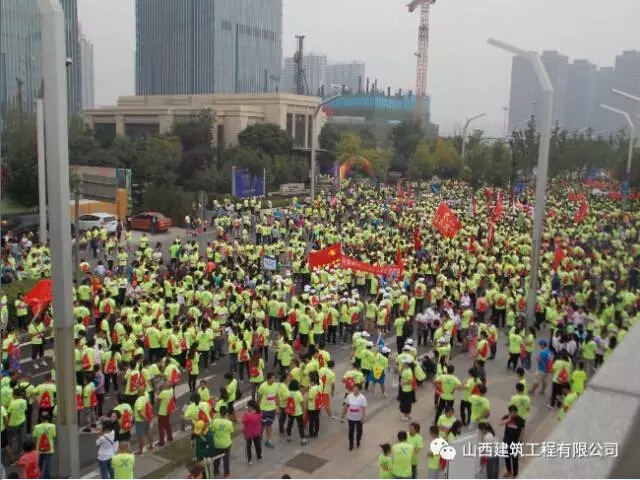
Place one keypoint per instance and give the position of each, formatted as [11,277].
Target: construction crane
[422,54]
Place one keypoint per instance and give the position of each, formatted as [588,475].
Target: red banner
[581,213]
[357,265]
[446,221]
[333,256]
[497,211]
[327,256]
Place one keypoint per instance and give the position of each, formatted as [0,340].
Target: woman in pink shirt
[252,429]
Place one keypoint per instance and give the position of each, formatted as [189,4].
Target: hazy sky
[466,76]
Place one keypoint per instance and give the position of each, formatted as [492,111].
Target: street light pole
[631,126]
[464,132]
[631,139]
[546,120]
[57,148]
[314,142]
[42,175]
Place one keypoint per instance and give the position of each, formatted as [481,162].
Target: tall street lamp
[632,130]
[42,169]
[314,142]
[57,148]
[464,132]
[546,114]
[635,99]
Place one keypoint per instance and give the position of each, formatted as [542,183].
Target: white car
[90,220]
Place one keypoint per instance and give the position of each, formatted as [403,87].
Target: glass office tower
[207,46]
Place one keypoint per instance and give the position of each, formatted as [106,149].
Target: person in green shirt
[402,457]
[448,384]
[166,406]
[416,440]
[44,434]
[314,404]
[433,459]
[267,400]
[385,462]
[123,462]
[294,410]
[17,412]
[141,409]
[480,406]
[222,429]
[521,400]
[579,379]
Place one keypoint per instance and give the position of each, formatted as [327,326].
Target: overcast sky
[466,76]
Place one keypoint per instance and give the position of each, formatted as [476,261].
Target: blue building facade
[207,46]
[379,108]
[20,54]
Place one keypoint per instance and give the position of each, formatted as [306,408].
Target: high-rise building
[348,75]
[579,109]
[526,94]
[20,54]
[603,120]
[205,46]
[627,78]
[315,74]
[87,72]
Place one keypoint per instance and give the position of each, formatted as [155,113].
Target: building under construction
[378,113]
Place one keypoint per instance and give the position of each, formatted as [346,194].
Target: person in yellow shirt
[415,440]
[402,456]
[123,463]
[166,406]
[579,379]
[294,410]
[222,429]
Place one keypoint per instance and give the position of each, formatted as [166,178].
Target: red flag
[572,196]
[557,257]
[492,234]
[399,260]
[472,244]
[326,256]
[488,193]
[581,213]
[497,211]
[446,221]
[417,241]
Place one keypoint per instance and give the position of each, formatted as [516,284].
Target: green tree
[195,131]
[20,152]
[421,165]
[499,172]
[405,138]
[477,163]
[329,137]
[349,147]
[268,138]
[379,160]
[82,143]
[446,161]
[368,138]
[254,160]
[156,161]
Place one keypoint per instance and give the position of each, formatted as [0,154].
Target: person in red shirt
[252,429]
[28,461]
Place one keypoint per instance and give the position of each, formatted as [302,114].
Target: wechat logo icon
[440,446]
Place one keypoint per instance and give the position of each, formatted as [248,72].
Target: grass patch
[10,207]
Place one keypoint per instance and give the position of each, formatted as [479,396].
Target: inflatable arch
[355,161]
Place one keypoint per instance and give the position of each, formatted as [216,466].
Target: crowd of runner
[147,322]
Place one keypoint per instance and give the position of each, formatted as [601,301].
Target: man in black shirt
[513,430]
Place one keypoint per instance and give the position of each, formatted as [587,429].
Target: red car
[153,222]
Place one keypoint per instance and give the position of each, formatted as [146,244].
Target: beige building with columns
[232,113]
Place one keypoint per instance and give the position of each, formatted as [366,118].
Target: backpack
[297,345]
[170,348]
[354,318]
[107,308]
[86,363]
[293,319]
[549,365]
[148,411]
[133,381]
[114,336]
[484,350]
[202,415]
[175,376]
[281,313]
[244,355]
[79,404]
[563,376]
[321,360]
[188,365]
[111,367]
[260,340]
[45,399]
[319,403]
[253,371]
[350,383]
[414,382]
[44,445]
[126,421]
[171,406]
[290,409]
[93,399]
[147,343]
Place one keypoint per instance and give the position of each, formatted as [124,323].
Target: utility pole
[77,194]
[298,59]
[57,148]
[42,169]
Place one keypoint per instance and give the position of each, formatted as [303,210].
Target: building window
[299,137]
[139,130]
[290,124]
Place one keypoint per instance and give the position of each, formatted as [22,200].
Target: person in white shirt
[432,315]
[107,448]
[354,408]
[422,320]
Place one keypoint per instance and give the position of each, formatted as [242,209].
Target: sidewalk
[328,456]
